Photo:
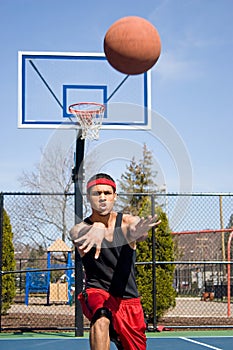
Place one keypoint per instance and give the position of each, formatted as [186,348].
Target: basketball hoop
[90,117]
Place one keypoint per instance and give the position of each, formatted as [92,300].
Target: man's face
[102,198]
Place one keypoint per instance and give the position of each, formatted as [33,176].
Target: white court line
[199,343]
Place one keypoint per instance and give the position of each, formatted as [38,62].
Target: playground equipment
[36,282]
[40,281]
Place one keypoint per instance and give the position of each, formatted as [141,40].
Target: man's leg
[130,325]
[99,334]
[101,322]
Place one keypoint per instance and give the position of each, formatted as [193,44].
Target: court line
[199,343]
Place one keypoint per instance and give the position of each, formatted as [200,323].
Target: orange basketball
[132,45]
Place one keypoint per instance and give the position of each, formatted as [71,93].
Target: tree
[50,215]
[165,293]
[139,178]
[8,264]
[51,212]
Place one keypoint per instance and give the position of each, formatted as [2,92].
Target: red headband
[101,181]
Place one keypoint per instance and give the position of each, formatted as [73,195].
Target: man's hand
[86,236]
[139,227]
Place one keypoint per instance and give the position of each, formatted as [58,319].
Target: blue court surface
[222,340]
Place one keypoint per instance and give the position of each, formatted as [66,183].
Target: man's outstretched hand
[139,227]
[86,236]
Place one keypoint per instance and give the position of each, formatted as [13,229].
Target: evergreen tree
[8,264]
[139,178]
[165,293]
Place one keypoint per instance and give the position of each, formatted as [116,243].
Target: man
[106,241]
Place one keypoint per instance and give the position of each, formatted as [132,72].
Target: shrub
[8,264]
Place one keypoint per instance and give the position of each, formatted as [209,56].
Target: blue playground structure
[39,281]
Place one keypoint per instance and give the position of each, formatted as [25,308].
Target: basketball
[132,45]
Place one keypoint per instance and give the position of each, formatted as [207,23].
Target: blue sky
[192,84]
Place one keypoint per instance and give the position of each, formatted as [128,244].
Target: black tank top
[114,270]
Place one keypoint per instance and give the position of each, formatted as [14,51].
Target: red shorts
[127,316]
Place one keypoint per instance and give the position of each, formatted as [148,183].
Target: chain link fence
[44,276]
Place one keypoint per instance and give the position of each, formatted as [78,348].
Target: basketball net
[90,118]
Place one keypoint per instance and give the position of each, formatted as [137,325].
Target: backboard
[48,82]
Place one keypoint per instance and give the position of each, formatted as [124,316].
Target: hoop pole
[78,208]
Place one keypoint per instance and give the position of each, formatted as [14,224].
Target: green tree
[8,264]
[139,178]
[165,293]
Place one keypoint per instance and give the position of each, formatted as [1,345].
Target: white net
[90,117]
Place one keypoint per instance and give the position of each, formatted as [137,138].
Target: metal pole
[153,265]
[78,208]
[1,248]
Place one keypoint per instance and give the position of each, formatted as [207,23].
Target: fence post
[153,265]
[1,248]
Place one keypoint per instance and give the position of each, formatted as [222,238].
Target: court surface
[218,340]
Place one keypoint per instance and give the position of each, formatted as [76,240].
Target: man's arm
[138,227]
[86,236]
